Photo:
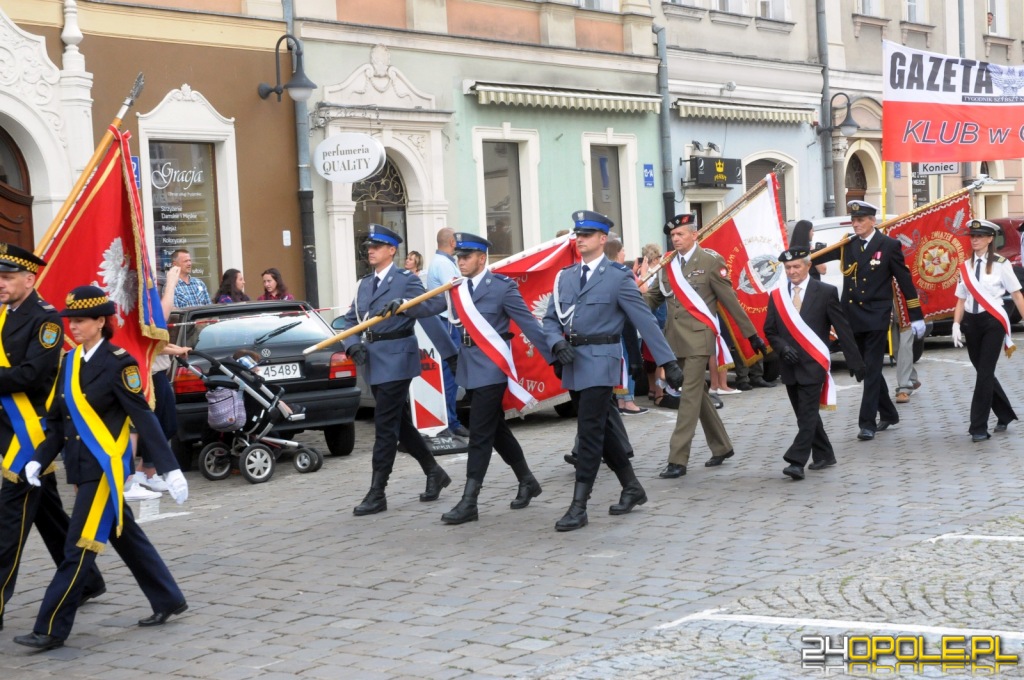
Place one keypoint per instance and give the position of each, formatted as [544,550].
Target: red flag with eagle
[101,243]
[750,242]
[535,270]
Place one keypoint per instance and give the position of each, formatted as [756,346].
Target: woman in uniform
[984,278]
[99,389]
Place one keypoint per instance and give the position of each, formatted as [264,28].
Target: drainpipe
[308,230]
[826,113]
[668,194]
[965,167]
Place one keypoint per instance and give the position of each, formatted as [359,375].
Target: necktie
[471,287]
[376,282]
[977,276]
[863,245]
[583,278]
[797,300]
[682,261]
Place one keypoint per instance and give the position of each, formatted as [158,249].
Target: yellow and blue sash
[28,426]
[112,455]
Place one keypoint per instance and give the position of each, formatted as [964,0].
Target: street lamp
[834,174]
[300,88]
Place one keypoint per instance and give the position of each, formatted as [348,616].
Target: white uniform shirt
[1002,280]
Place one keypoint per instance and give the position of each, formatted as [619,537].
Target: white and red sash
[991,305]
[697,308]
[490,342]
[808,341]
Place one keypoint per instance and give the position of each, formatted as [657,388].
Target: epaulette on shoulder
[501,277]
[46,306]
[1000,259]
[405,272]
[120,352]
[570,266]
[619,265]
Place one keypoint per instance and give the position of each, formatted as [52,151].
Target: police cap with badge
[381,235]
[88,302]
[467,244]
[794,253]
[683,220]
[861,209]
[16,259]
[588,222]
[983,228]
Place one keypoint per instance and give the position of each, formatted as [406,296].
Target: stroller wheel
[257,463]
[305,460]
[319,459]
[215,461]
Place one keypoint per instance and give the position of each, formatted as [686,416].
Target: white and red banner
[937,107]
[809,342]
[990,304]
[698,309]
[426,391]
[750,242]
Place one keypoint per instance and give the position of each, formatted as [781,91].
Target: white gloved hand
[918,327]
[177,486]
[32,470]
[958,337]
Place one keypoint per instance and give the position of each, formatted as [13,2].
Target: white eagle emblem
[120,281]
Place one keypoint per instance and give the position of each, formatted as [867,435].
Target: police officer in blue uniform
[390,356]
[870,261]
[31,337]
[590,303]
[99,390]
[497,299]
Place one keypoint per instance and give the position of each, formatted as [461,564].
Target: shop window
[503,197]
[380,199]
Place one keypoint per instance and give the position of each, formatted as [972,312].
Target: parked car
[323,382]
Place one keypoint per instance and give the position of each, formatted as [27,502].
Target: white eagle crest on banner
[120,282]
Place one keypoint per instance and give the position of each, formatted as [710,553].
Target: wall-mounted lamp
[849,126]
[300,88]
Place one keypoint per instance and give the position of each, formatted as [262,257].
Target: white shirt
[442,269]
[383,274]
[802,287]
[478,279]
[591,266]
[88,355]
[689,254]
[1002,280]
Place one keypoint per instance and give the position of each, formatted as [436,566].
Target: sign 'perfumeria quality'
[349,157]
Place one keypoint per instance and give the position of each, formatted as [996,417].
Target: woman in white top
[992,276]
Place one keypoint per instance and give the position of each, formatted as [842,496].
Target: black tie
[471,287]
[583,278]
[977,276]
[863,245]
[376,282]
[682,261]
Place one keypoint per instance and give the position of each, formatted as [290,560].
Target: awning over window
[543,97]
[740,112]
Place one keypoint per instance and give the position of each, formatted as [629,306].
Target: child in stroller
[244,408]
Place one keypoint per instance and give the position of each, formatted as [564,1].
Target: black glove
[858,373]
[791,356]
[564,352]
[557,367]
[453,363]
[673,374]
[758,344]
[357,353]
[391,308]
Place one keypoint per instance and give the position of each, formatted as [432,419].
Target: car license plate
[289,371]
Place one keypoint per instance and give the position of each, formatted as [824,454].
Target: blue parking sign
[136,172]
[648,174]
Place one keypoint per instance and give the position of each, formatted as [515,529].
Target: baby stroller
[244,408]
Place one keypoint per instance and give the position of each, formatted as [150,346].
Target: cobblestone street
[717,576]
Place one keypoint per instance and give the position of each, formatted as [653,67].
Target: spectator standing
[189,291]
[414,263]
[273,286]
[442,270]
[232,288]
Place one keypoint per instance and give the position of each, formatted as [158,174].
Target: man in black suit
[796,310]
[870,261]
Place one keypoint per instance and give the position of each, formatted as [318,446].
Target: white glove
[958,337]
[177,486]
[918,327]
[32,469]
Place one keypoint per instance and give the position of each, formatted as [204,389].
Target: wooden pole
[97,155]
[359,328]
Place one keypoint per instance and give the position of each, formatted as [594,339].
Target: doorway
[15,196]
[380,199]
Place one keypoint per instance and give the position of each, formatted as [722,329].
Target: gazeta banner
[936,107]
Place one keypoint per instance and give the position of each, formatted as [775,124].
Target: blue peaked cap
[381,234]
[588,220]
[468,242]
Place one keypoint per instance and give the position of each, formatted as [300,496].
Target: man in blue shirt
[189,292]
[442,270]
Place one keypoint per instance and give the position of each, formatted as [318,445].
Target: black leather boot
[466,510]
[632,493]
[529,488]
[576,516]
[375,500]
[437,479]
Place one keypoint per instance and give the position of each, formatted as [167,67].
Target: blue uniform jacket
[601,308]
[398,359]
[105,381]
[498,300]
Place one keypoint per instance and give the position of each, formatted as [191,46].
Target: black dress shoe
[571,459]
[715,461]
[821,464]
[529,488]
[672,471]
[744,387]
[459,430]
[1001,427]
[865,435]
[437,479]
[980,437]
[160,618]
[884,424]
[38,642]
[717,401]
[761,382]
[92,595]
[794,471]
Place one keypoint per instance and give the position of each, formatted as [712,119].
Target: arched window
[15,197]
[380,199]
[755,171]
[856,180]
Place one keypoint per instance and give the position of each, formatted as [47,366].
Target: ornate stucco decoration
[27,74]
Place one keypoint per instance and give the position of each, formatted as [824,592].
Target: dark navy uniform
[32,336]
[390,356]
[497,299]
[869,269]
[110,382]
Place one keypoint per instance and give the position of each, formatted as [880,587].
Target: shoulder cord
[569,313]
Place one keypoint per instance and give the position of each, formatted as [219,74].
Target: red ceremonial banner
[935,241]
[101,244]
[936,107]
[750,242]
[535,270]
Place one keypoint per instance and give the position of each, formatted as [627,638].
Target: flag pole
[359,328]
[97,155]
